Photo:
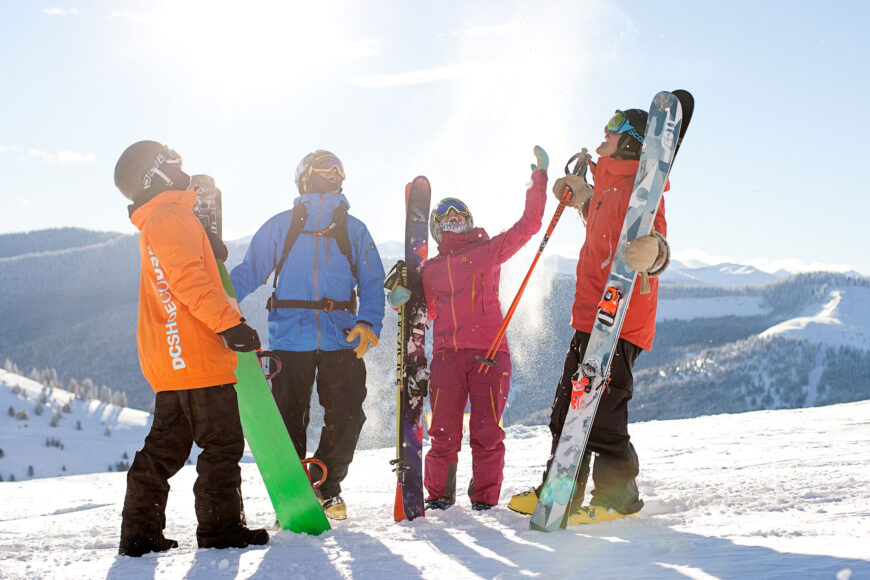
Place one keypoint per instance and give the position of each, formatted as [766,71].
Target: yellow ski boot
[596,514]
[334,508]
[524,503]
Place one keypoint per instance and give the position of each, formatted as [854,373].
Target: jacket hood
[139,213]
[609,166]
[327,199]
[614,166]
[451,241]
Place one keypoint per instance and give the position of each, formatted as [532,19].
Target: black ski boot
[137,546]
[240,537]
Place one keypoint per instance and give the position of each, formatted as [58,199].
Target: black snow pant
[616,465]
[209,417]
[341,388]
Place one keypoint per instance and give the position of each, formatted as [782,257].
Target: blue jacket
[315,269]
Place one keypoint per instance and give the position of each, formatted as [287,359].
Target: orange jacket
[614,179]
[182,304]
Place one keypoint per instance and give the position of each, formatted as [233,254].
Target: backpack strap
[297,225]
[342,238]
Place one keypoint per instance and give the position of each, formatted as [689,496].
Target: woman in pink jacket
[461,285]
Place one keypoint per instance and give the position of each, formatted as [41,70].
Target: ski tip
[399,505]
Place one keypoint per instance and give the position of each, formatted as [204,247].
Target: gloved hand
[217,246]
[645,253]
[542,161]
[581,192]
[648,255]
[398,296]
[366,337]
[241,337]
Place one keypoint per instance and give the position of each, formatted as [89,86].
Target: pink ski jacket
[461,282]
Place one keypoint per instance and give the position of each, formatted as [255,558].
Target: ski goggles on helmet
[167,157]
[445,205]
[618,123]
[325,163]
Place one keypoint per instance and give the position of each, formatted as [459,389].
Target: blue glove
[541,159]
[398,296]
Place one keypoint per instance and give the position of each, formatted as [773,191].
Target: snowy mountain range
[765,494]
[724,343]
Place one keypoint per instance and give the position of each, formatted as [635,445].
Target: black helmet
[147,168]
[631,138]
[309,170]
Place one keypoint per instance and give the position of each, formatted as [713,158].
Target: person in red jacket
[187,332]
[461,285]
[603,210]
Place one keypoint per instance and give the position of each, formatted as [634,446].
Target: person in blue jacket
[325,312]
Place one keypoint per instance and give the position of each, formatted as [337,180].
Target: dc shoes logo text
[172,337]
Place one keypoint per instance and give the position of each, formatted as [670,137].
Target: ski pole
[582,161]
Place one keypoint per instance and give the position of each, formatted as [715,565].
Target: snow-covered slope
[771,494]
[841,320]
[69,437]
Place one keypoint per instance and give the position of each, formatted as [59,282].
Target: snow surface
[843,320]
[768,494]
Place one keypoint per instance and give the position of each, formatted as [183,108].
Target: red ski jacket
[461,282]
[614,179]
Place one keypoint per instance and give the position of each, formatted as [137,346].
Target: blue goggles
[618,123]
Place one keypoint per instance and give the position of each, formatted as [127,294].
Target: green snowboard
[296,506]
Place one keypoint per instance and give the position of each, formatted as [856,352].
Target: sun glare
[238,49]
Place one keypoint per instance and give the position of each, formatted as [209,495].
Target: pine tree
[29,471]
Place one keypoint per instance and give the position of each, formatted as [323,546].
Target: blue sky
[458,91]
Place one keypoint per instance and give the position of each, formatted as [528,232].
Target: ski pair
[412,372]
[668,120]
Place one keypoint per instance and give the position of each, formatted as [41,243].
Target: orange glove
[366,338]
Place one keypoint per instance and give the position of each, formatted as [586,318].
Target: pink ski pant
[453,383]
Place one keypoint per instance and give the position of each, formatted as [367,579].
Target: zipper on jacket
[452,309]
[483,295]
[316,253]
[473,287]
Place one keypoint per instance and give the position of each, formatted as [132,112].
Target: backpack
[338,230]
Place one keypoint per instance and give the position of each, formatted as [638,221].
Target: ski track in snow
[768,494]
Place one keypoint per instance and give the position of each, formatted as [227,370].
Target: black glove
[217,246]
[241,338]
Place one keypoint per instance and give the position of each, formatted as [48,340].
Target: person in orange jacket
[603,210]
[187,332]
